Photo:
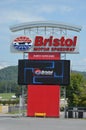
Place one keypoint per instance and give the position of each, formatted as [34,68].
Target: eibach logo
[39,72]
[22,43]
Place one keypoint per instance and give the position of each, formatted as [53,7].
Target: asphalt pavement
[35,123]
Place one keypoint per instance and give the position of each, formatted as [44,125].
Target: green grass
[6,95]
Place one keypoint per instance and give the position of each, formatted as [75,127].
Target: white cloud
[84,27]
[17,16]
[3,65]
[79,65]
[47,8]
[65,9]
[55,7]
[32,11]
[84,61]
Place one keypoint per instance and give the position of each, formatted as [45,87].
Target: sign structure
[43,71]
[45,37]
[56,72]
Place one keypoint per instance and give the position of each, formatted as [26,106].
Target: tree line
[75,92]
[8,80]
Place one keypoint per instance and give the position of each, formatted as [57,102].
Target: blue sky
[19,11]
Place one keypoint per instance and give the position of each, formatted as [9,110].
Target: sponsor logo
[22,43]
[39,72]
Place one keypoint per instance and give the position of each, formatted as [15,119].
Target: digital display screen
[49,72]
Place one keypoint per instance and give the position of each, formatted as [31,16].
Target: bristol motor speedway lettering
[55,44]
[64,44]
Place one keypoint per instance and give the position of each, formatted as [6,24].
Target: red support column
[43,99]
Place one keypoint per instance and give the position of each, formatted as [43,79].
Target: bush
[8,102]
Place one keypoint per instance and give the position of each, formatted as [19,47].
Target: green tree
[82,96]
[75,90]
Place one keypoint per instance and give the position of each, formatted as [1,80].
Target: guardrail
[75,112]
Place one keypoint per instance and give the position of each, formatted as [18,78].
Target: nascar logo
[22,43]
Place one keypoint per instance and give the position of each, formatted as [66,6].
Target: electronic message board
[49,72]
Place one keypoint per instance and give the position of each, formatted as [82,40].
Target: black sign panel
[56,72]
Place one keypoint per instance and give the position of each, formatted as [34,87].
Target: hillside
[9,73]
[8,80]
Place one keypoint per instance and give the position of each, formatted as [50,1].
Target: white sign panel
[60,44]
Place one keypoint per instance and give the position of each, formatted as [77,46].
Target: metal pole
[23,97]
[65,112]
[23,101]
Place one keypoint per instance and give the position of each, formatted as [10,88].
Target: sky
[14,12]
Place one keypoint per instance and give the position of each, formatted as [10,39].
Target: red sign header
[43,56]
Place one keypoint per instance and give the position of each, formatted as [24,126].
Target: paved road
[31,123]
